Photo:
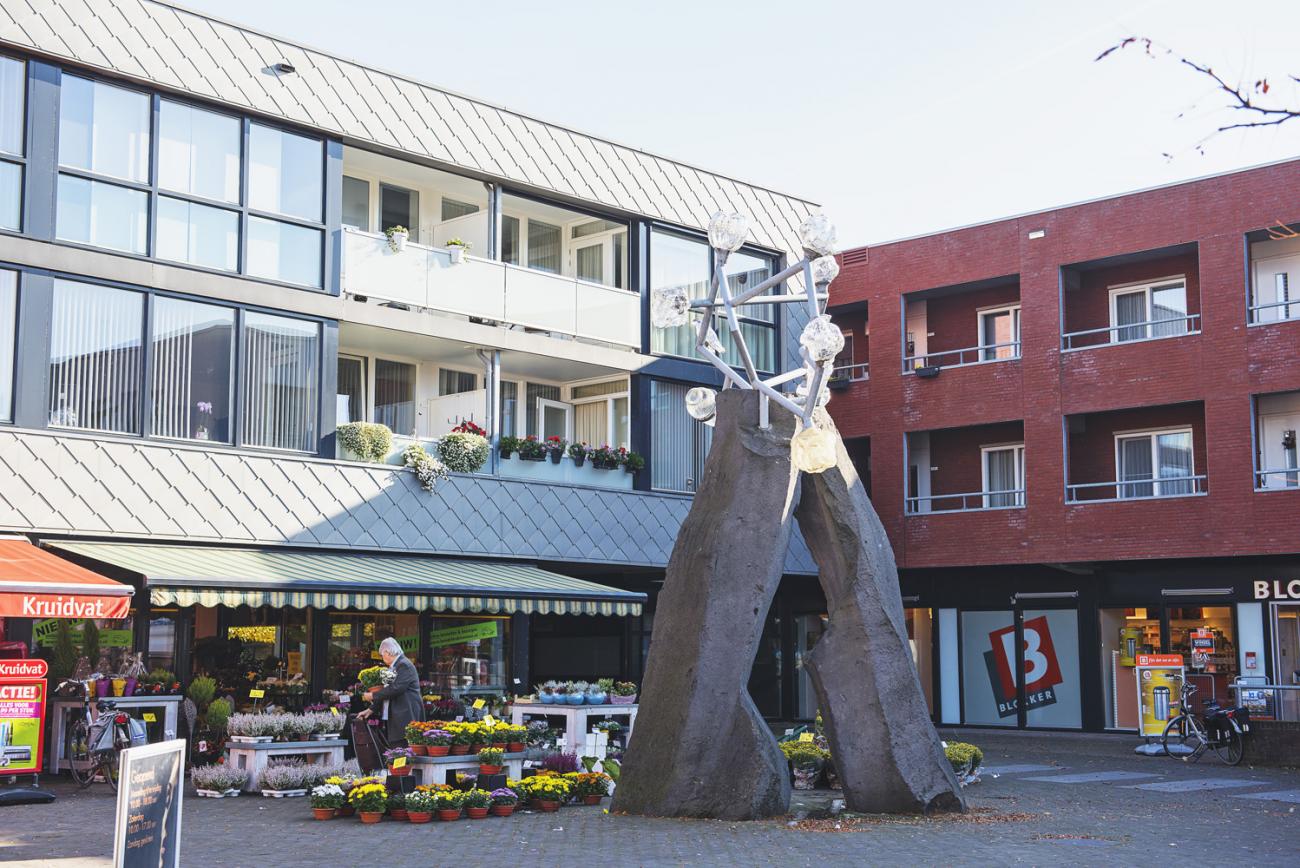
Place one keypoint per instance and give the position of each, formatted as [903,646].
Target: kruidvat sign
[101,606]
[1042,669]
[1278,589]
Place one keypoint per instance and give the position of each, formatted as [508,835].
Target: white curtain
[678,443]
[1002,474]
[1175,455]
[191,363]
[1131,308]
[1134,466]
[280,374]
[95,348]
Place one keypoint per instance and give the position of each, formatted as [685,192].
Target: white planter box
[217,794]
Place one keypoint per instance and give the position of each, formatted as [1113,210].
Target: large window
[192,359]
[600,413]
[546,237]
[999,333]
[13,112]
[1156,310]
[676,260]
[286,176]
[95,357]
[395,395]
[8,332]
[281,363]
[1155,464]
[679,444]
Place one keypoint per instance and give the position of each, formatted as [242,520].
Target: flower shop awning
[37,584]
[180,575]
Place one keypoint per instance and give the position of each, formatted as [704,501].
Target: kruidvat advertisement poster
[22,716]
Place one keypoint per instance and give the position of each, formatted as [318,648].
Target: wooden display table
[429,770]
[63,711]
[256,756]
[577,718]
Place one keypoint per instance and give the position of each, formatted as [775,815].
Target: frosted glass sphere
[701,403]
[812,450]
[822,339]
[712,343]
[727,230]
[825,269]
[817,233]
[669,306]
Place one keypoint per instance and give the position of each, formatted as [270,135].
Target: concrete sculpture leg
[701,749]
[886,750]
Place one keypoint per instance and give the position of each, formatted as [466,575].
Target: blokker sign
[1278,589]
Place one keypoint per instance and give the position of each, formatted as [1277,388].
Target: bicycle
[1220,729]
[93,743]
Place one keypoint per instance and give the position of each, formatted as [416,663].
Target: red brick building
[1080,423]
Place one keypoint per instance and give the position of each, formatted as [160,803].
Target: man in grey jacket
[398,702]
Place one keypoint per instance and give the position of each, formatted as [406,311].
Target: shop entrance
[1020,666]
[1286,649]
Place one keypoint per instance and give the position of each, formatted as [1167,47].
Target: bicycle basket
[139,734]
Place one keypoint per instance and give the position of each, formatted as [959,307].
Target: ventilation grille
[856,256]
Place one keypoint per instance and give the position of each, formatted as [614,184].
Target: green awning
[181,575]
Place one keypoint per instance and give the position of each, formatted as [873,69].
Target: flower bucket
[449,814]
[398,813]
[129,688]
[476,813]
[485,769]
[546,698]
[117,685]
[400,773]
[555,456]
[576,699]
[502,810]
[369,817]
[323,813]
[347,811]
[419,816]
[596,698]
[420,749]
[547,806]
[459,749]
[516,746]
[579,460]
[438,749]
[592,799]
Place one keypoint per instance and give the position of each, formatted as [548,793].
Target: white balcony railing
[426,277]
[1151,330]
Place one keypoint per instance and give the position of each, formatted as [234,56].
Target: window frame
[20,160]
[1288,311]
[505,192]
[154,191]
[8,413]
[1152,436]
[985,349]
[1147,287]
[1018,450]
[232,394]
[611,414]
[697,434]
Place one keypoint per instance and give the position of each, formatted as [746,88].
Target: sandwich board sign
[151,782]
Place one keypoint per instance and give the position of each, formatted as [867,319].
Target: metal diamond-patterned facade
[83,486]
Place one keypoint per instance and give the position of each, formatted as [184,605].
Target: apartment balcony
[969,469]
[1275,275]
[1151,295]
[1144,453]
[446,280]
[83,485]
[1277,463]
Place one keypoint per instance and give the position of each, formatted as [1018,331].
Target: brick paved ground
[1016,820]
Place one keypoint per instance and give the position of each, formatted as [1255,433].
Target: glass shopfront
[1048,657]
[354,642]
[469,654]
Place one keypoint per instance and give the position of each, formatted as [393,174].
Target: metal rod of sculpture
[728,562]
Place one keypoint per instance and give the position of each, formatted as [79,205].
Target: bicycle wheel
[109,766]
[1230,746]
[80,760]
[1180,738]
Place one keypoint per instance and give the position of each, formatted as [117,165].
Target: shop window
[162,640]
[766,675]
[469,654]
[1125,633]
[1204,635]
[990,663]
[354,643]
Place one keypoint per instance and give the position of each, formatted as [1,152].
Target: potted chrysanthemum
[369,800]
[398,760]
[504,801]
[326,800]
[489,761]
[476,803]
[419,806]
[447,804]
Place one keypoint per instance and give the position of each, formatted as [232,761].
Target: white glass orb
[825,269]
[712,343]
[822,339]
[727,230]
[669,307]
[812,450]
[702,403]
[817,234]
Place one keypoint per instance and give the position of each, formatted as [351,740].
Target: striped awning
[180,575]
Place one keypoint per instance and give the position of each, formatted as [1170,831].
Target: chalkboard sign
[150,784]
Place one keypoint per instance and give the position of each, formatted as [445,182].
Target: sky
[898,121]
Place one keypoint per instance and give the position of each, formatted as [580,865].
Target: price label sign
[399,763]
[478,703]
[256,694]
[334,711]
[489,720]
[149,717]
[805,736]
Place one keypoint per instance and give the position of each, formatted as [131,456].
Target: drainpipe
[492,381]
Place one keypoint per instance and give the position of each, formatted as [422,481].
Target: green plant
[490,756]
[419,802]
[531,447]
[218,714]
[369,441]
[90,641]
[625,688]
[396,802]
[507,445]
[370,798]
[327,796]
[803,754]
[633,462]
[429,470]
[448,800]
[578,450]
[65,653]
[963,757]
[606,685]
[463,452]
[456,242]
[201,691]
[477,798]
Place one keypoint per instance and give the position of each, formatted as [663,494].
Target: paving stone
[1187,786]
[1092,777]
[1292,796]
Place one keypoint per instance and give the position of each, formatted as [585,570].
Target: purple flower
[205,406]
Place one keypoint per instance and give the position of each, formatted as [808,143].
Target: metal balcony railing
[972,501]
[849,373]
[1278,311]
[1136,489]
[1287,477]
[979,355]
[1150,330]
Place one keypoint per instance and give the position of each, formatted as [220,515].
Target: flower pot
[576,698]
[449,814]
[591,800]
[323,813]
[476,813]
[457,254]
[438,749]
[419,816]
[118,685]
[547,806]
[516,747]
[129,689]
[523,457]
[596,698]
[459,749]
[501,745]
[398,813]
[502,810]
[485,769]
[555,456]
[504,452]
[346,811]
[615,699]
[371,816]
[579,460]
[400,773]
[420,749]
[805,777]
[397,241]
[546,698]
